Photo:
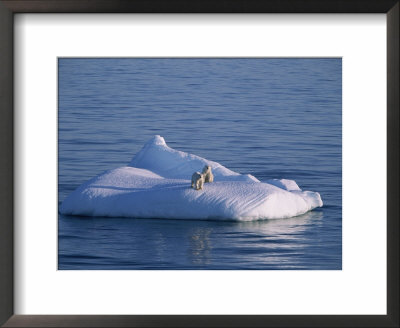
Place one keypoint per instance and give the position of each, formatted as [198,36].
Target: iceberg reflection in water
[123,243]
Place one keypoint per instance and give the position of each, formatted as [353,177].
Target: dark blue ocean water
[272,118]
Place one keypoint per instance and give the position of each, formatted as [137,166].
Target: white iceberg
[157,184]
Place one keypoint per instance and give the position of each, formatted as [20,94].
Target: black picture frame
[10,7]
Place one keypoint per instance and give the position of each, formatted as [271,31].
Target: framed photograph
[208,164]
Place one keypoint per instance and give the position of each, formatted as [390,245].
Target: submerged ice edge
[213,219]
[160,188]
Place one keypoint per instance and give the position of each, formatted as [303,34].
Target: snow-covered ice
[156,184]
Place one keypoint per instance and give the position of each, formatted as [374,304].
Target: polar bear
[208,176]
[197,180]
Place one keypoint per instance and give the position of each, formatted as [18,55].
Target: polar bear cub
[197,180]
[208,176]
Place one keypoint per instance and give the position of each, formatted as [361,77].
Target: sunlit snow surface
[157,184]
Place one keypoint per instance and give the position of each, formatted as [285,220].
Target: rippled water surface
[272,118]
